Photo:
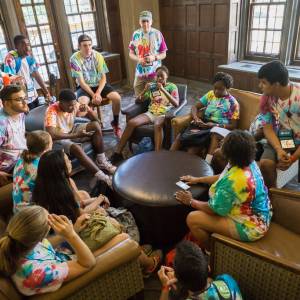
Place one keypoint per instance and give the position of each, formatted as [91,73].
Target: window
[3,47]
[81,19]
[265,27]
[273,31]
[40,37]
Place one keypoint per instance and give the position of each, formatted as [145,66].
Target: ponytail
[25,229]
[10,253]
[37,142]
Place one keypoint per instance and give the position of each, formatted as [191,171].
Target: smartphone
[183,185]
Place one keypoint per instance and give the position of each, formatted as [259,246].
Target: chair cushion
[35,118]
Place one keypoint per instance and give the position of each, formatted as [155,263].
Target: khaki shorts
[139,84]
[153,117]
[67,143]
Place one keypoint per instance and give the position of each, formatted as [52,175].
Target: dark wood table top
[150,178]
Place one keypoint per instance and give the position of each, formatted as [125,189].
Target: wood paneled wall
[200,35]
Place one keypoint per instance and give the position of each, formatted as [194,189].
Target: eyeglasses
[20,99]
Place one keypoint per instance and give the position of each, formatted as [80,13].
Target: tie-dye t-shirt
[90,69]
[12,140]
[62,121]
[223,287]
[241,195]
[220,110]
[23,182]
[144,44]
[160,104]
[42,270]
[279,111]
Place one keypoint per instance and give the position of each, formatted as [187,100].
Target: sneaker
[116,158]
[100,176]
[105,164]
[117,130]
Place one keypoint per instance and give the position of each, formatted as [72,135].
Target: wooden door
[36,22]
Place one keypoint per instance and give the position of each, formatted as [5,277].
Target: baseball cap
[146,15]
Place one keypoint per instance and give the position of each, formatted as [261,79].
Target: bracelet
[165,288]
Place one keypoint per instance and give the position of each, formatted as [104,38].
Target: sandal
[156,255]
[147,249]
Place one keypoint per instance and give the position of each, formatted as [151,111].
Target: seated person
[189,278]
[215,109]
[163,95]
[25,170]
[89,68]
[66,135]
[282,105]
[239,206]
[34,266]
[219,162]
[58,193]
[12,129]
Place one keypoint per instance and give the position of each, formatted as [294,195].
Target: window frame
[289,34]
[99,45]
[295,60]
[5,31]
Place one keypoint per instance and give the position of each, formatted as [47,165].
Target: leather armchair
[116,275]
[35,121]
[148,129]
[270,267]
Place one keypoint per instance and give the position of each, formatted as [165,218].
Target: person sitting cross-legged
[89,69]
[60,123]
[163,95]
[239,206]
[189,277]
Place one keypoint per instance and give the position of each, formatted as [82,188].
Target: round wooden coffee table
[147,182]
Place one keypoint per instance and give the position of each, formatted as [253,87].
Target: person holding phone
[163,95]
[147,48]
[67,135]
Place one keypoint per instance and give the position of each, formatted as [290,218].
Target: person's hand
[97,99]
[48,97]
[210,124]
[197,121]
[103,201]
[159,86]
[4,178]
[80,223]
[167,277]
[184,197]
[190,179]
[142,61]
[147,86]
[284,161]
[150,58]
[61,225]
[83,133]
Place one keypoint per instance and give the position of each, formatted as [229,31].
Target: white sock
[101,156]
[208,158]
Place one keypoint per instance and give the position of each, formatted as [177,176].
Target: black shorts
[106,90]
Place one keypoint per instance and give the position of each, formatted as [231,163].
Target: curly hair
[239,148]
[274,71]
[225,78]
